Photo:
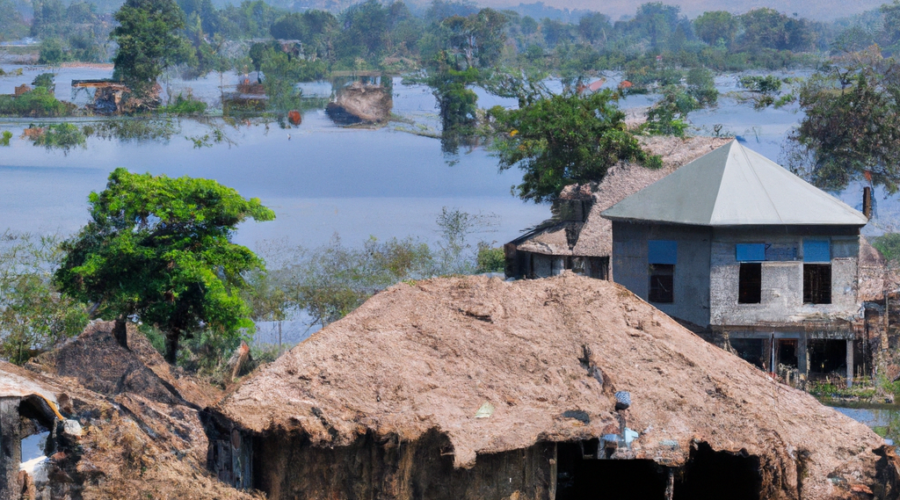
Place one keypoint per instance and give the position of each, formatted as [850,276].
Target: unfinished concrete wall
[630,266]
[289,467]
[781,298]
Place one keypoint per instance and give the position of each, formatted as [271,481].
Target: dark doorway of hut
[708,475]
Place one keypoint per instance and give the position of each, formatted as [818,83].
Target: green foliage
[766,28]
[491,260]
[669,115]
[45,80]
[160,249]
[185,106]
[38,103]
[848,132]
[457,102]
[717,27]
[33,314]
[149,40]
[64,136]
[765,85]
[12,24]
[594,27]
[702,87]
[889,246]
[329,282]
[562,140]
[5,138]
[52,53]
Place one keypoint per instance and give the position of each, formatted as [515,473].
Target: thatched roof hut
[479,388]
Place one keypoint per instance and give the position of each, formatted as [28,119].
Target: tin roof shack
[93,419]
[753,256]
[477,388]
[577,237]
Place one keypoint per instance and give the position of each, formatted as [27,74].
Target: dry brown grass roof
[143,437]
[427,356]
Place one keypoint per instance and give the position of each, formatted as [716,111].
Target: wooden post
[850,363]
[670,484]
[554,471]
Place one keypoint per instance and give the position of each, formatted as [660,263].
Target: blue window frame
[662,252]
[816,251]
[750,252]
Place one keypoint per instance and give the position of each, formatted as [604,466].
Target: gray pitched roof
[734,186]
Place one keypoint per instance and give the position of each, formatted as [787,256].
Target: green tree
[33,314]
[711,27]
[149,39]
[52,52]
[12,25]
[849,129]
[160,250]
[594,26]
[669,115]
[767,28]
[564,139]
[45,80]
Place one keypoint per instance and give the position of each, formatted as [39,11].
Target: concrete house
[577,237]
[748,255]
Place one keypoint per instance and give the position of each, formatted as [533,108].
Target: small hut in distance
[577,237]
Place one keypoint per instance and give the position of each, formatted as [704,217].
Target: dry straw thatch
[425,357]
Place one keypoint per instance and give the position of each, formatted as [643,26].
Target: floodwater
[884,419]
[323,180]
[319,178]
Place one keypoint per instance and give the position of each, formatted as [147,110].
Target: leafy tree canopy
[711,27]
[564,139]
[160,249]
[149,40]
[849,131]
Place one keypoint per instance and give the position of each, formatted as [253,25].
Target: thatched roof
[142,437]
[624,179]
[427,356]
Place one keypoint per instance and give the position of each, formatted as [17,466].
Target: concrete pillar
[850,363]
[802,357]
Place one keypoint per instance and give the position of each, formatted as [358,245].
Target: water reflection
[883,419]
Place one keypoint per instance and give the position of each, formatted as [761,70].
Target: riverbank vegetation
[158,251]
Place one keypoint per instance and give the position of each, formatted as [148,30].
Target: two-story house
[749,255]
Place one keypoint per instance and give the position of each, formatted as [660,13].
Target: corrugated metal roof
[734,186]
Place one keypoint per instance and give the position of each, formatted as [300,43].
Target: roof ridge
[761,183]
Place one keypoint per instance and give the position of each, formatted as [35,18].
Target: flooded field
[884,419]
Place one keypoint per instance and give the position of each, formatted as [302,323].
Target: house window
[817,283]
[661,256]
[750,283]
[662,281]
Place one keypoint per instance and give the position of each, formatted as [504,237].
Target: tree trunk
[172,339]
[120,331]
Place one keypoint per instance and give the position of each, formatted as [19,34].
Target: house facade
[749,256]
[577,238]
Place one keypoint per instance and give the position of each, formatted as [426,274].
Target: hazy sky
[814,9]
